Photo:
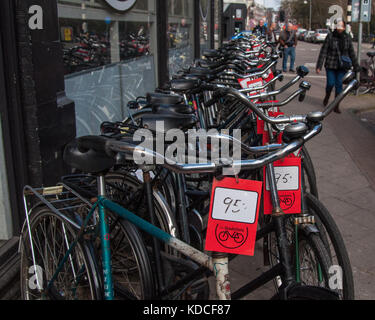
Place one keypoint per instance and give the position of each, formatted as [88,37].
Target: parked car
[320,35]
[299,31]
[309,35]
[302,35]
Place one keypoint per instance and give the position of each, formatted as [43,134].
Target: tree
[298,10]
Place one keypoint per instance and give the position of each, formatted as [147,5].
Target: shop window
[180,34]
[108,58]
[204,12]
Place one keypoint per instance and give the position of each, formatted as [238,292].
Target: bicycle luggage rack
[84,184]
[60,199]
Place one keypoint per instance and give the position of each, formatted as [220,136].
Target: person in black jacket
[271,34]
[261,28]
[336,45]
[288,43]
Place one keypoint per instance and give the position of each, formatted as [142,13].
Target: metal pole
[220,20]
[360,33]
[310,13]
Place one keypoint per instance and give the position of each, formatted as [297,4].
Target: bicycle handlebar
[283,120]
[112,147]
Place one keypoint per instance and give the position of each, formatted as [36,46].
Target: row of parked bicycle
[90,52]
[120,228]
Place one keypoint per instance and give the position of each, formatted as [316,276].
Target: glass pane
[204,11]
[108,58]
[180,34]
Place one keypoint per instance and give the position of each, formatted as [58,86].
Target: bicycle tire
[317,248]
[362,90]
[339,249]
[118,187]
[308,293]
[165,221]
[125,274]
[311,243]
[43,218]
[131,282]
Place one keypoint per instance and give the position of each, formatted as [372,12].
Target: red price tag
[233,218]
[288,179]
[261,128]
[270,77]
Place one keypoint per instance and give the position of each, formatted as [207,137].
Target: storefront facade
[68,65]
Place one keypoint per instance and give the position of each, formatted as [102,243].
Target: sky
[270,3]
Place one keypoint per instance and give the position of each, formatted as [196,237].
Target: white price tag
[248,84]
[287,179]
[256,48]
[235,205]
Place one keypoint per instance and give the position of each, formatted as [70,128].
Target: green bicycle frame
[175,243]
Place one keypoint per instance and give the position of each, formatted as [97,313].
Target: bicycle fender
[309,229]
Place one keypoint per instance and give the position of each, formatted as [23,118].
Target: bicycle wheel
[131,266]
[120,187]
[334,244]
[52,236]
[126,190]
[299,292]
[314,260]
[366,86]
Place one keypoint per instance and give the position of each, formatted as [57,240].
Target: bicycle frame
[216,264]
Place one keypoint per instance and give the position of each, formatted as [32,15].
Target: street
[343,156]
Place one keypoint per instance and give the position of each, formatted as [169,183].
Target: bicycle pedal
[304,220]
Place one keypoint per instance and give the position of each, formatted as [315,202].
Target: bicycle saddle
[200,71]
[211,53]
[170,117]
[371,54]
[87,160]
[162,98]
[183,85]
[173,109]
[209,64]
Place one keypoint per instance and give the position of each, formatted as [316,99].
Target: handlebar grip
[302,97]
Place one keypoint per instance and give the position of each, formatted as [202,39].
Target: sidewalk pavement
[344,158]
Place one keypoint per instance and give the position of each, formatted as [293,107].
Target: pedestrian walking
[288,43]
[260,28]
[339,56]
[271,34]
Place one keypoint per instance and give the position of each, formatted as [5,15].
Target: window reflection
[108,59]
[95,35]
[180,34]
[204,10]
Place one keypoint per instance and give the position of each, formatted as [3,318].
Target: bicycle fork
[105,243]
[221,272]
[278,216]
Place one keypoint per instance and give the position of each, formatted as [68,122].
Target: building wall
[6,227]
